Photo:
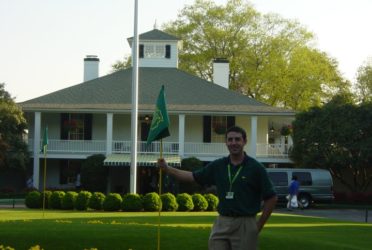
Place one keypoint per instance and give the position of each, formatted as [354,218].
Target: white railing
[73,146]
[272,150]
[205,149]
[143,148]
[190,148]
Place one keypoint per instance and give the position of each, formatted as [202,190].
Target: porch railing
[73,146]
[142,147]
[190,148]
[205,149]
[273,150]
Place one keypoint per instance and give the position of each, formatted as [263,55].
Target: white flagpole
[133,165]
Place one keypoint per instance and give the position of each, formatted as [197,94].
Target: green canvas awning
[142,160]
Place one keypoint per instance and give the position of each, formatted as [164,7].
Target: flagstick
[44,180]
[160,184]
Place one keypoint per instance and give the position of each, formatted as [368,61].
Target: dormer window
[154,51]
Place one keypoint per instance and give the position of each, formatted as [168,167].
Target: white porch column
[181,135]
[109,127]
[36,147]
[253,142]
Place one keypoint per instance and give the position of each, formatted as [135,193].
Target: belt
[232,214]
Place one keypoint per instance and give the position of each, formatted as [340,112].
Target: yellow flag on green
[160,120]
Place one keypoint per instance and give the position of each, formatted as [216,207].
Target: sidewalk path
[354,215]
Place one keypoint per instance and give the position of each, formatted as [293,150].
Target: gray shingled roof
[184,93]
[155,35]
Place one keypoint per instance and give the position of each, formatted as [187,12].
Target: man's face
[235,143]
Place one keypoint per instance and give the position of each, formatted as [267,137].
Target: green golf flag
[160,120]
[45,140]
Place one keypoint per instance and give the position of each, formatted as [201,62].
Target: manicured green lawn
[23,228]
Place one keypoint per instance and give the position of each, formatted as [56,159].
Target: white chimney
[221,72]
[91,67]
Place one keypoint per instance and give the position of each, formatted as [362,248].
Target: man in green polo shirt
[242,184]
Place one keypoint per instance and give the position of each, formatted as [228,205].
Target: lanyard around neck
[233,178]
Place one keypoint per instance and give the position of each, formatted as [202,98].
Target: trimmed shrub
[169,202]
[151,202]
[48,194]
[56,199]
[33,199]
[94,174]
[200,203]
[82,200]
[68,201]
[212,202]
[96,201]
[132,203]
[185,202]
[112,202]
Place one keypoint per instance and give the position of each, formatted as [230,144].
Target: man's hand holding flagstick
[181,175]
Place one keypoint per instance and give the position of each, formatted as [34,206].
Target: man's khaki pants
[234,233]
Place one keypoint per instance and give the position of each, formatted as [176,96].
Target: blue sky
[43,42]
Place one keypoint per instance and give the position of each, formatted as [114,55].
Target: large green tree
[271,59]
[337,137]
[124,64]
[364,81]
[13,149]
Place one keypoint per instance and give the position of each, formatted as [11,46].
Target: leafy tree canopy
[272,59]
[364,81]
[13,149]
[119,65]
[337,137]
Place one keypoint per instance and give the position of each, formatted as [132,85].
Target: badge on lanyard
[230,194]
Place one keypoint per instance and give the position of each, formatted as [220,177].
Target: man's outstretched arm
[181,175]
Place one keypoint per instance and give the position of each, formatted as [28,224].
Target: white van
[316,185]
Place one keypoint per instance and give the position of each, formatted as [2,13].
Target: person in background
[78,182]
[293,189]
[30,182]
[242,183]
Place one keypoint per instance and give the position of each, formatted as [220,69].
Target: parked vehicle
[316,185]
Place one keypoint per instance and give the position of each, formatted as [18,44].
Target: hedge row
[115,202]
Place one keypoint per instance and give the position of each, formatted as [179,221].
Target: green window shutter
[64,130]
[141,51]
[207,128]
[167,51]
[88,126]
[63,168]
[230,121]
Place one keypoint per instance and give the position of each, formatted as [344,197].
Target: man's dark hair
[294,177]
[237,130]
